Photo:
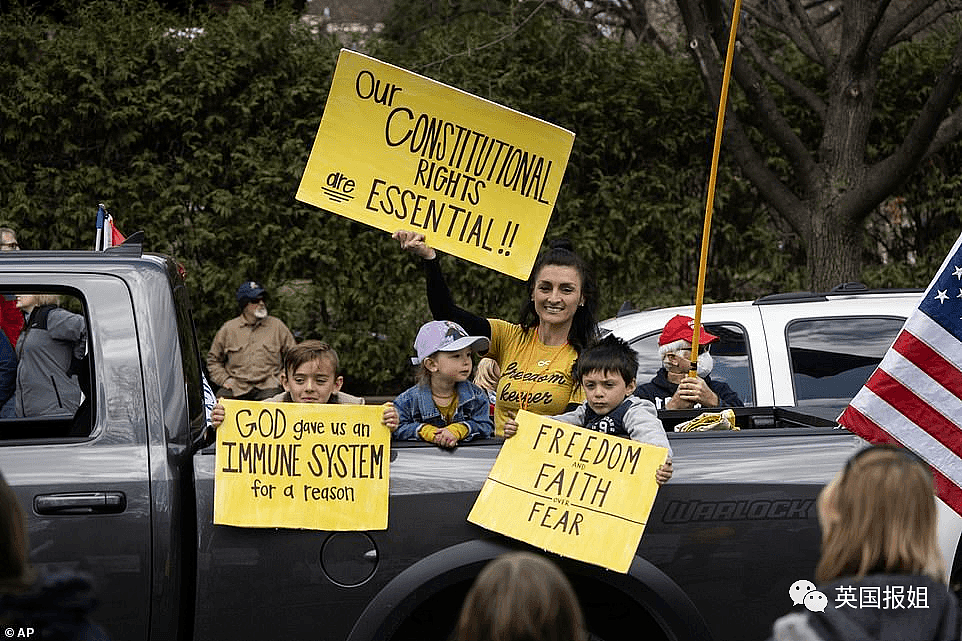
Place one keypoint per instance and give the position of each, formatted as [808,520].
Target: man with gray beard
[247,355]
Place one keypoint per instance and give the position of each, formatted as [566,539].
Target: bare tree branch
[886,175]
[794,87]
[766,110]
[782,26]
[492,43]
[771,120]
[781,198]
[922,23]
[829,190]
[829,16]
[753,163]
[621,17]
[948,131]
[860,53]
[902,19]
[831,12]
[811,34]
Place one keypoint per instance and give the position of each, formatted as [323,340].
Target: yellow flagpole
[710,202]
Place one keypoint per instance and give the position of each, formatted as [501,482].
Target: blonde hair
[521,596]
[422,375]
[487,374]
[879,516]
[47,299]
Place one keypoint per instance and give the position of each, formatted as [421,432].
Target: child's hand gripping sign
[571,491]
[302,465]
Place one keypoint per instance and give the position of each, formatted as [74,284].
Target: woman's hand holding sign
[412,241]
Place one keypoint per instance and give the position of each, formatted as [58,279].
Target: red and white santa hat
[678,334]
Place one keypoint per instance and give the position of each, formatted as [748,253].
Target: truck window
[833,357]
[45,372]
[730,353]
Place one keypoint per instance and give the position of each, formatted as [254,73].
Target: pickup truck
[124,492]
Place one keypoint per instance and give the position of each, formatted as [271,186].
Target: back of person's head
[521,596]
[47,299]
[879,516]
[610,354]
[8,239]
[16,574]
[307,351]
[584,326]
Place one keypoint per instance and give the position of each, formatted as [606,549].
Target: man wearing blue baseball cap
[247,355]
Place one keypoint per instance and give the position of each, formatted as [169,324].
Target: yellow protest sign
[572,491]
[396,150]
[302,465]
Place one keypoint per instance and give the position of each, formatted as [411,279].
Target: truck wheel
[423,602]
[609,615]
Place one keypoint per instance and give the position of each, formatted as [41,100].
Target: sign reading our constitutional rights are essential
[399,151]
[302,465]
[575,492]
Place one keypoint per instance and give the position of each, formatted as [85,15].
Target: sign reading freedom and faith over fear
[572,491]
[399,151]
[302,465]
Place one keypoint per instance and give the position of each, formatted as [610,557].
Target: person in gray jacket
[52,340]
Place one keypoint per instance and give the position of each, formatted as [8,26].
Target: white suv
[812,351]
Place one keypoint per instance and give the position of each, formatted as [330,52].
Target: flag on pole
[107,234]
[112,236]
[101,215]
[914,398]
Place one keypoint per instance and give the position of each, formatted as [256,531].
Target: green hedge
[197,133]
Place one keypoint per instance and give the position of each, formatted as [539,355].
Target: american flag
[914,398]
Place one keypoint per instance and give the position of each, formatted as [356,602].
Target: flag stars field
[914,398]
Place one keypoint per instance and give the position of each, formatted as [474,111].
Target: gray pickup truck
[123,491]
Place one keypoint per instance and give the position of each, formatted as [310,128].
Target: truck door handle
[80,503]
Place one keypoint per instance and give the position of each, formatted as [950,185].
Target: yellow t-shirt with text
[533,375]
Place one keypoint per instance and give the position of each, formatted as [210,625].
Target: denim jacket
[415,406]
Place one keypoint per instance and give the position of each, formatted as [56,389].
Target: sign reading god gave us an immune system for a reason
[397,151]
[302,465]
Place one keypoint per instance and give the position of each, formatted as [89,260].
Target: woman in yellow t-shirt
[535,355]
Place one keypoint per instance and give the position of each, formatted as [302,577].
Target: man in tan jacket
[247,355]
